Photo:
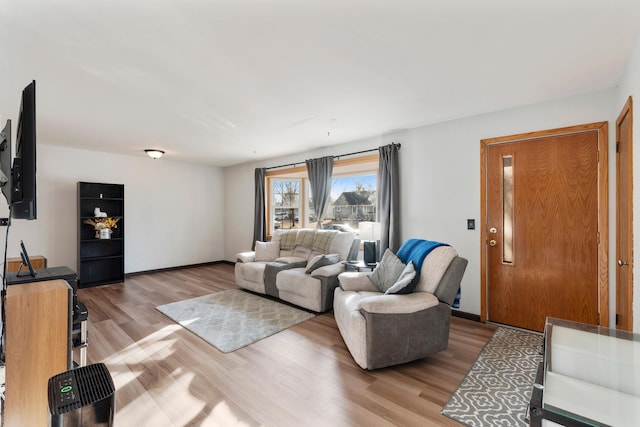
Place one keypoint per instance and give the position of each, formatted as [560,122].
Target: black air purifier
[82,397]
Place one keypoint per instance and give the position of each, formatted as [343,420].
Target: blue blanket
[416,250]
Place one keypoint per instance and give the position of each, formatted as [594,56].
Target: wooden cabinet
[38,262]
[100,260]
[37,348]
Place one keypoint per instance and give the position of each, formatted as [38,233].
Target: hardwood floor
[304,376]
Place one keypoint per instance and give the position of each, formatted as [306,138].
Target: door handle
[492,242]
[621,263]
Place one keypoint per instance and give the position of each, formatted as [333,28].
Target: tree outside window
[286,203]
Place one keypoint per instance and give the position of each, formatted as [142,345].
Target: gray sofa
[384,330]
[280,268]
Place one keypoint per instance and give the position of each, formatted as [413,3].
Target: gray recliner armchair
[384,330]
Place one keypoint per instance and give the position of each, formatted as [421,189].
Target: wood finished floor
[304,376]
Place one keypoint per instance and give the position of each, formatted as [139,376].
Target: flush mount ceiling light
[154,153]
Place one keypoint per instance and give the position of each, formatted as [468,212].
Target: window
[353,196]
[353,199]
[286,203]
[507,209]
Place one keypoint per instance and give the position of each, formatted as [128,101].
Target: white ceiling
[224,82]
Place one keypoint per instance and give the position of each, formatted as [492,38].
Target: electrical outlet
[471,224]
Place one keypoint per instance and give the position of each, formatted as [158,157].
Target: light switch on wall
[471,224]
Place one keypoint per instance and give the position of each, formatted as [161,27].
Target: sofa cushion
[267,251]
[434,267]
[341,244]
[406,283]
[388,271]
[322,241]
[321,261]
[285,252]
[287,239]
[305,238]
[302,252]
[298,282]
[299,288]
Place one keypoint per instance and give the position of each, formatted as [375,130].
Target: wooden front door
[624,216]
[543,219]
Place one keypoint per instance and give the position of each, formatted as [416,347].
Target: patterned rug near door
[232,319]
[497,389]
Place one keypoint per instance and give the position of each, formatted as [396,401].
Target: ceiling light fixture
[154,153]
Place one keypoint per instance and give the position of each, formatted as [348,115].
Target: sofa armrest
[249,256]
[398,304]
[388,335]
[357,281]
[328,270]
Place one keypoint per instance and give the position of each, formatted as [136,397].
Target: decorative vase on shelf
[103,226]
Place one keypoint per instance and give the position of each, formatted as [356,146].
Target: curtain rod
[335,157]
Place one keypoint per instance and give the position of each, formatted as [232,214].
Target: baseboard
[180,267]
[465,315]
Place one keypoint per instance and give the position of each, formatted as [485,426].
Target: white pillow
[267,251]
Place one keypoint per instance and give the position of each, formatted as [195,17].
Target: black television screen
[23,195]
[5,161]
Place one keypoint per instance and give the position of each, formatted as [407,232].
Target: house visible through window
[353,199]
[353,196]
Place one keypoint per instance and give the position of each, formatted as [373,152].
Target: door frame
[603,208]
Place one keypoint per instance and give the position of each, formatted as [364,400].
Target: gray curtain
[259,218]
[320,172]
[389,198]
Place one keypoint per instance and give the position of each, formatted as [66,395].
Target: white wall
[440,176]
[630,86]
[173,211]
[180,214]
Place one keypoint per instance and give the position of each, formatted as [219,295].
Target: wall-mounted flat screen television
[23,194]
[5,161]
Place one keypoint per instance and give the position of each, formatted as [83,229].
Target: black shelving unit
[100,261]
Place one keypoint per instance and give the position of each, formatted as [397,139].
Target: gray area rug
[233,319]
[497,389]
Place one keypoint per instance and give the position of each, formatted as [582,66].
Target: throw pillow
[320,261]
[406,283]
[387,272]
[267,251]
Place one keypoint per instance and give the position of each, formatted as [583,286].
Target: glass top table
[591,374]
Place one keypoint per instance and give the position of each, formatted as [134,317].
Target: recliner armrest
[398,304]
[328,270]
[356,281]
[249,256]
